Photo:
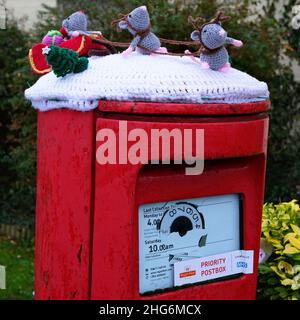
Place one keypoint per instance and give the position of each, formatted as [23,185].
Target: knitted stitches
[53,37]
[64,61]
[144,78]
[217,60]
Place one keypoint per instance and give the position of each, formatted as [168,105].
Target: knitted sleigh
[83,45]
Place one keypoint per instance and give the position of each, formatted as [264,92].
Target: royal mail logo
[187,272]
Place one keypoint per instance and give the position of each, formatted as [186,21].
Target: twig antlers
[196,23]
[220,17]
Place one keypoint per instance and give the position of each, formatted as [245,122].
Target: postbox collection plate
[181,230]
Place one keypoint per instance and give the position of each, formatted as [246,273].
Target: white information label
[2,277]
[213,267]
[175,231]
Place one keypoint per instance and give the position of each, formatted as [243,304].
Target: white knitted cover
[144,78]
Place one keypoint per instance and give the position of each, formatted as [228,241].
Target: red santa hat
[63,31]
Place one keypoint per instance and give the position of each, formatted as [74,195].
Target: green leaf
[290,250]
[287,282]
[296,229]
[286,267]
[295,242]
[278,272]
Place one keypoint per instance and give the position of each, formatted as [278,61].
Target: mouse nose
[222,33]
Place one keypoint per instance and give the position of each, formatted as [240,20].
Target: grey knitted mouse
[213,39]
[76,24]
[138,24]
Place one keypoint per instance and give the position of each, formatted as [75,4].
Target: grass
[18,258]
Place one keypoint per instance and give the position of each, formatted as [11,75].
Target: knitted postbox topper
[141,77]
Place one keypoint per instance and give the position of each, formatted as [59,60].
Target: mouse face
[138,18]
[212,35]
[75,22]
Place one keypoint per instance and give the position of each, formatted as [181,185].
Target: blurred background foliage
[271,45]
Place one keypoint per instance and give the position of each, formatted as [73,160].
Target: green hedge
[17,129]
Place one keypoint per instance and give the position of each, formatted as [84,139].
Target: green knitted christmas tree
[64,61]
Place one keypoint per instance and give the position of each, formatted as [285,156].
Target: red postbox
[98,224]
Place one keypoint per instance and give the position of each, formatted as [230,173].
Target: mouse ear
[122,25]
[195,35]
[118,23]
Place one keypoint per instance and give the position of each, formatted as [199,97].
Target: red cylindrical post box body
[93,245]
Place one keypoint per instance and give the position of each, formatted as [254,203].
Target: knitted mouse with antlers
[213,37]
[138,24]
